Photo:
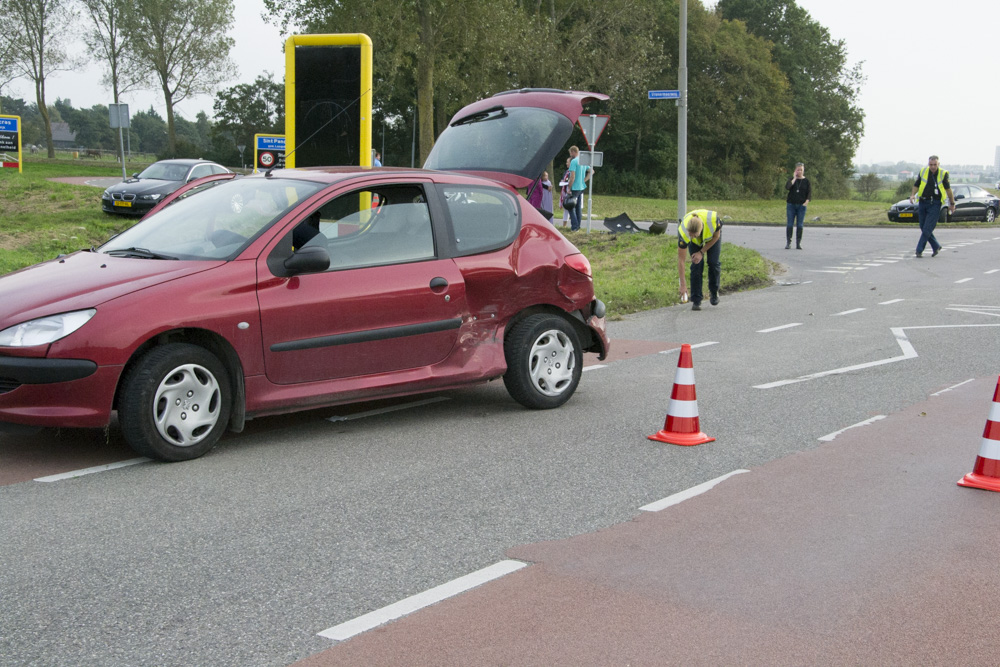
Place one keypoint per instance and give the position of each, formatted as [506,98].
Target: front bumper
[71,393]
[137,207]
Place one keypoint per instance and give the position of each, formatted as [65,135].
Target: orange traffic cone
[986,473]
[682,426]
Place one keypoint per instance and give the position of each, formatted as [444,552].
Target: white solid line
[783,326]
[848,312]
[938,393]
[873,264]
[420,600]
[89,471]
[991,271]
[693,347]
[819,271]
[828,438]
[690,493]
[886,303]
[963,280]
[594,367]
[382,411]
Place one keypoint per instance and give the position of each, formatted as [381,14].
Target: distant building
[906,176]
[62,136]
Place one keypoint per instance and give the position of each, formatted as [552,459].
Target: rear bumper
[599,328]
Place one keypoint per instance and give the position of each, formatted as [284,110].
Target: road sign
[118,115]
[10,142]
[664,94]
[592,158]
[268,151]
[592,125]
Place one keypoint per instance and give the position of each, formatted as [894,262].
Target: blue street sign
[8,124]
[664,94]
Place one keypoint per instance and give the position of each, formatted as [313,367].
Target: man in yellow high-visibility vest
[700,236]
[930,187]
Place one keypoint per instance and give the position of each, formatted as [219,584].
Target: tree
[111,45]
[36,30]
[186,43]
[828,121]
[245,110]
[868,186]
[149,131]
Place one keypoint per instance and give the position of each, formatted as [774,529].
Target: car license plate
[126,204]
[902,215]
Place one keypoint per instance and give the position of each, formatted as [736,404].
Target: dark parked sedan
[971,203]
[139,194]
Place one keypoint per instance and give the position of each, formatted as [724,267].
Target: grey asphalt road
[299,524]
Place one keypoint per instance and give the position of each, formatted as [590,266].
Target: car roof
[188,162]
[330,175]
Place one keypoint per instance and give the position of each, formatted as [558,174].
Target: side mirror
[957,197]
[135,175]
[310,259]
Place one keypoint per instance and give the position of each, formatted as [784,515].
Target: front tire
[991,214]
[544,361]
[175,402]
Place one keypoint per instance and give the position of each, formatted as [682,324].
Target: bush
[868,186]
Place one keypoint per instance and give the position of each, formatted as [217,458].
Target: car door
[964,206]
[387,303]
[977,202]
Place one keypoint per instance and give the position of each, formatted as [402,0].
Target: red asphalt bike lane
[863,550]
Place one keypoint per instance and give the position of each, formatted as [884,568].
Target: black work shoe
[920,254]
[798,246]
[714,300]
[934,254]
[788,245]
[696,305]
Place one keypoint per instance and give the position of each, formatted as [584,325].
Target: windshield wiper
[479,116]
[141,253]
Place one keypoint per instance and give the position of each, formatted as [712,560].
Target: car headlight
[45,330]
[150,197]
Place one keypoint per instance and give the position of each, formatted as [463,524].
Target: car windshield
[215,223]
[516,140]
[165,171]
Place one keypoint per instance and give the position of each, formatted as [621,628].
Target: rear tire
[175,402]
[544,361]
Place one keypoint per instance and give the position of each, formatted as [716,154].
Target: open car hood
[510,137]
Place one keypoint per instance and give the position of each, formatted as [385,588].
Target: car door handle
[438,283]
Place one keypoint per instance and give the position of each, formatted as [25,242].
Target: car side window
[390,225]
[961,191]
[483,219]
[199,171]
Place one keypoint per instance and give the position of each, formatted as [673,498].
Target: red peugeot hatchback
[241,297]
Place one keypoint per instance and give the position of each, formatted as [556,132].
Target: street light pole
[682,146]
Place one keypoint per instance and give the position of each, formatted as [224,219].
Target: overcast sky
[931,73]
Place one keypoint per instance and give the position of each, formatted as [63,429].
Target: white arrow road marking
[904,343]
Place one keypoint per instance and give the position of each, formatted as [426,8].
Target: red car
[241,297]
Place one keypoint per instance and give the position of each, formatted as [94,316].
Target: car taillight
[579,263]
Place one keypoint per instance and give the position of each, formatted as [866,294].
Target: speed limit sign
[266,159]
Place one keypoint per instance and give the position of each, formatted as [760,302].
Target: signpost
[682,102]
[10,142]
[592,126]
[268,151]
[118,116]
